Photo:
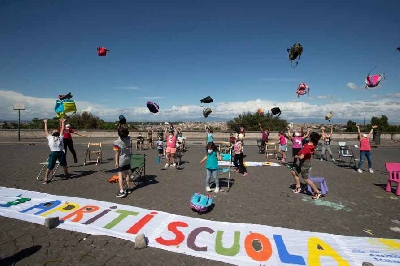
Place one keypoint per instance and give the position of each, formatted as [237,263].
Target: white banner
[235,243]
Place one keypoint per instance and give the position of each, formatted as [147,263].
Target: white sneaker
[208,189]
[370,170]
[174,165]
[166,165]
[359,170]
[216,189]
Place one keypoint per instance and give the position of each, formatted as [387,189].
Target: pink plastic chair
[394,176]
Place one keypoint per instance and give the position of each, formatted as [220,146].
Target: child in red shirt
[304,166]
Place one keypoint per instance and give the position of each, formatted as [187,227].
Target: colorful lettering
[192,238]
[43,207]
[179,236]
[392,244]
[266,249]
[66,207]
[141,223]
[314,253]
[79,213]
[98,216]
[15,202]
[122,215]
[284,255]
[233,250]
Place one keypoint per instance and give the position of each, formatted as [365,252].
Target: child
[122,148]
[238,159]
[297,141]
[171,147]
[68,143]
[304,166]
[211,160]
[56,144]
[365,149]
[327,144]
[264,135]
[210,135]
[282,146]
[160,148]
[139,141]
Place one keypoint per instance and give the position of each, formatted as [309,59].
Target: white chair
[346,152]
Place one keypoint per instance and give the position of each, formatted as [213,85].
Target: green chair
[138,168]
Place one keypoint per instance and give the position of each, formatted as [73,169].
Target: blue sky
[177,52]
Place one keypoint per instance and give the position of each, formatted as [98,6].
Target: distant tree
[382,123]
[351,126]
[250,122]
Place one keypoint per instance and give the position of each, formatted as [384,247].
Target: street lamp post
[19,107]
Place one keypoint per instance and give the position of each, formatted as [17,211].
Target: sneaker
[216,190]
[316,195]
[166,165]
[359,170]
[333,160]
[174,165]
[321,160]
[370,170]
[121,194]
[297,190]
[128,190]
[208,189]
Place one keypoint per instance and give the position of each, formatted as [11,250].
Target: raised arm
[359,132]
[289,133]
[308,133]
[372,131]
[62,126]
[259,124]
[45,127]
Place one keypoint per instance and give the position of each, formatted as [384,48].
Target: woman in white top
[56,145]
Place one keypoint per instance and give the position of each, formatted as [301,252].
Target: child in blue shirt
[211,160]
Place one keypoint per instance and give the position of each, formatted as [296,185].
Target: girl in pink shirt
[365,149]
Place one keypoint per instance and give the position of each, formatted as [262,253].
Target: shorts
[304,168]
[160,151]
[295,151]
[54,156]
[171,150]
[283,147]
[124,168]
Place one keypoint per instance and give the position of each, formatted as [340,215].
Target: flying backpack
[207,112]
[201,203]
[276,111]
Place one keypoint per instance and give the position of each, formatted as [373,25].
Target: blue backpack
[201,203]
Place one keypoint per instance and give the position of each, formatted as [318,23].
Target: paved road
[356,202]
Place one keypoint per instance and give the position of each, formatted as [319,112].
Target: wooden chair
[271,151]
[93,149]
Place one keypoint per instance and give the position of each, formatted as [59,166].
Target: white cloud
[352,86]
[291,110]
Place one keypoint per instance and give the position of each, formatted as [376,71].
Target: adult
[68,142]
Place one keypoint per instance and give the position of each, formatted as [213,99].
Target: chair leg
[398,189]
[389,186]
